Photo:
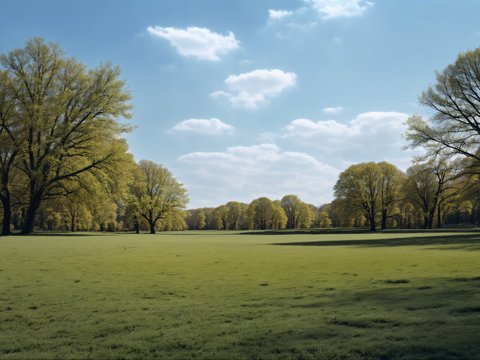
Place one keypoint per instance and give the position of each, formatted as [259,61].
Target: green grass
[218,295]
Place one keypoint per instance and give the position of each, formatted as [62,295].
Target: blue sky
[246,98]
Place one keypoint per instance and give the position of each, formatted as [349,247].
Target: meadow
[232,295]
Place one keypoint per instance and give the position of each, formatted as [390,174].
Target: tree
[292,206]
[235,214]
[324,220]
[391,181]
[360,186]
[429,186]
[260,212]
[299,214]
[66,121]
[156,193]
[196,219]
[279,218]
[220,214]
[454,128]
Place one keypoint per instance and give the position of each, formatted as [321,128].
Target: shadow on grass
[347,231]
[461,241]
[64,234]
[390,320]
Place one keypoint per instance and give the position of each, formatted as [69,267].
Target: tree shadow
[460,242]
[65,234]
[346,231]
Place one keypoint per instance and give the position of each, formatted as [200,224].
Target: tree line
[64,164]
[261,214]
[440,188]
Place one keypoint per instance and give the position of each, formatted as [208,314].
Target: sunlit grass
[231,295]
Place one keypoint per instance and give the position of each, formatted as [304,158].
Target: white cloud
[203,126]
[278,14]
[332,110]
[370,136]
[246,172]
[340,8]
[199,43]
[249,90]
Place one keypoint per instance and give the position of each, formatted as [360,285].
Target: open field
[230,295]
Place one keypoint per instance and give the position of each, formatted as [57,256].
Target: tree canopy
[60,120]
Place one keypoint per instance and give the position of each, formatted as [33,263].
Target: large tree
[156,194]
[66,120]
[360,186]
[454,128]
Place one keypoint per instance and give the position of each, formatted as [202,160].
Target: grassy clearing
[230,295]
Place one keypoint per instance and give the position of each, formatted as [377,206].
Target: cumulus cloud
[369,136]
[211,126]
[340,8]
[196,42]
[332,110]
[278,14]
[249,90]
[246,172]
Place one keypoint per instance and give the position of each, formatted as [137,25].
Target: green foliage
[64,123]
[263,213]
[157,196]
[324,220]
[196,219]
[299,214]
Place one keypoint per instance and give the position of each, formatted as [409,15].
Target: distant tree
[430,187]
[260,213]
[156,193]
[174,221]
[195,219]
[292,206]
[391,182]
[421,187]
[209,218]
[236,212]
[299,214]
[279,218]
[221,213]
[201,220]
[360,186]
[324,219]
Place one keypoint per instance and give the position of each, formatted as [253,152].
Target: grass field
[216,295]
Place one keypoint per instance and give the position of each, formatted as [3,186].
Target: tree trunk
[72,225]
[431,216]
[439,217]
[384,219]
[425,221]
[7,215]
[372,219]
[152,227]
[33,206]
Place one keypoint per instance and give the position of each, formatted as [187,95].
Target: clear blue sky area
[245,98]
